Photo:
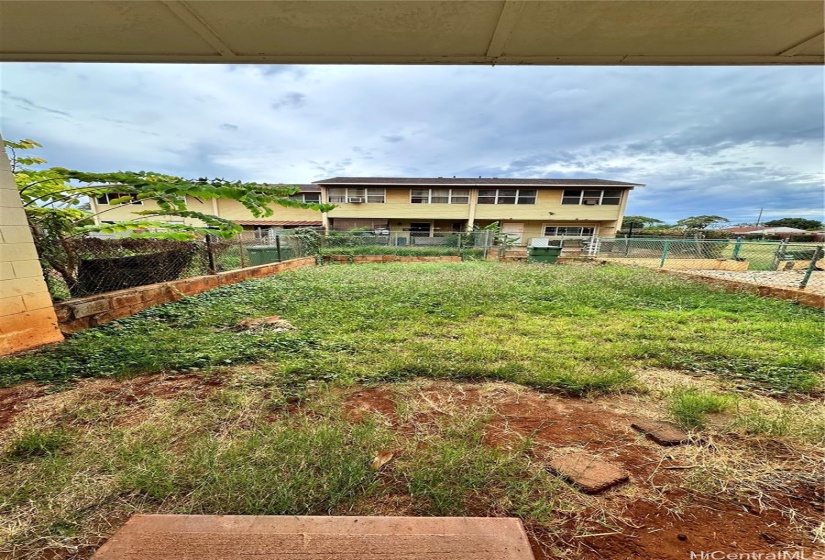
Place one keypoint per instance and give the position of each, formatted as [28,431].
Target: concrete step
[213,537]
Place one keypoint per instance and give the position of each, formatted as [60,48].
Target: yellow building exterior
[283,217]
[525,208]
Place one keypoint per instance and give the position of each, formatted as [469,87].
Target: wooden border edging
[795,294]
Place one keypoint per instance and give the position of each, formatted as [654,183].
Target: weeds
[574,329]
[803,422]
[38,443]
[690,407]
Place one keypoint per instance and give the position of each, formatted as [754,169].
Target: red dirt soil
[13,400]
[644,527]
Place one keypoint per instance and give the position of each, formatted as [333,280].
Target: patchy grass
[804,422]
[267,423]
[37,443]
[573,329]
[235,451]
[75,464]
[690,407]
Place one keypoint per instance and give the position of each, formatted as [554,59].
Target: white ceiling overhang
[611,32]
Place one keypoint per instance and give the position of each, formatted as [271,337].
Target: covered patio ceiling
[612,32]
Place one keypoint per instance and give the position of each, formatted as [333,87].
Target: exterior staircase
[515,254]
[570,250]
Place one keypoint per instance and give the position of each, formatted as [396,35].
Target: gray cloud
[715,140]
[30,105]
[230,127]
[291,99]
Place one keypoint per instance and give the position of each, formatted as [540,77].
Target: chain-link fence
[93,265]
[777,263]
[467,245]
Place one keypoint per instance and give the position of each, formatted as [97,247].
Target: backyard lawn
[428,389]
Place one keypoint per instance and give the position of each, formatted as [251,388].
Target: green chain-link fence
[773,263]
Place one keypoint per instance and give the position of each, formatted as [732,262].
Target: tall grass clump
[690,407]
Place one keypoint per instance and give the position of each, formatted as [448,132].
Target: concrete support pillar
[27,317]
[471,209]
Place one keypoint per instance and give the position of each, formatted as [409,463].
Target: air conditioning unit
[355,199]
[591,202]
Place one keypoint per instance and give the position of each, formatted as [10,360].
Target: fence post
[737,248]
[665,249]
[241,251]
[460,235]
[818,253]
[780,253]
[210,255]
[278,246]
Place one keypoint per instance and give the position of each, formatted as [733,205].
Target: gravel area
[782,279]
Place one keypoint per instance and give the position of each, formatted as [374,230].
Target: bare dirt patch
[14,400]
[662,513]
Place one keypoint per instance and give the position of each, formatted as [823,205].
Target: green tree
[56,201]
[798,223]
[638,222]
[701,222]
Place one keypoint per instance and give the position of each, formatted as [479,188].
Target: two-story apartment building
[283,217]
[525,208]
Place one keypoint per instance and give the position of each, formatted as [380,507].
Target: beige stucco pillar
[27,317]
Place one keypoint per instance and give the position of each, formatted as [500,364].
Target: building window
[306,197]
[339,195]
[592,198]
[506,196]
[568,231]
[439,196]
[109,197]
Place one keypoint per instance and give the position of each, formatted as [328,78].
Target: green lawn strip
[576,329]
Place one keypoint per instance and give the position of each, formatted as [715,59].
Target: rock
[663,433]
[274,324]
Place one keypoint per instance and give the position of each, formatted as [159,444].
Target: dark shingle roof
[298,223]
[307,188]
[494,181]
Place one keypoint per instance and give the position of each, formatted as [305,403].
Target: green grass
[235,452]
[690,407]
[38,443]
[563,328]
[453,472]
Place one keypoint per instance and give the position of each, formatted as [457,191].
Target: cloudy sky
[720,140]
